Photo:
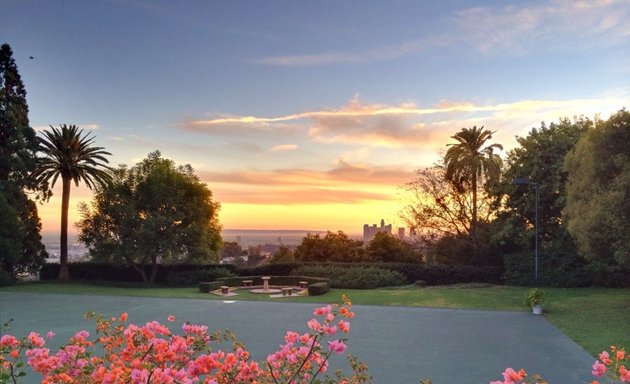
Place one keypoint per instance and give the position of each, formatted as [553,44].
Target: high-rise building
[369,231]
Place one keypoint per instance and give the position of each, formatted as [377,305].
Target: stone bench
[225,289]
[303,284]
[287,291]
[247,283]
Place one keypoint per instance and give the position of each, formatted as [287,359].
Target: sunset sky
[311,114]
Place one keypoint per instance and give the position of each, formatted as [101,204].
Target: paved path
[400,344]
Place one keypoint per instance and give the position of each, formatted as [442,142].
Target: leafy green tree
[471,164]
[385,247]
[332,247]
[540,158]
[598,191]
[69,153]
[283,255]
[154,212]
[21,249]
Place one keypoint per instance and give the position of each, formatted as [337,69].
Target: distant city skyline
[310,115]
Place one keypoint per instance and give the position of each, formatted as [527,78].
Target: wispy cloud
[409,126]
[377,54]
[511,29]
[555,25]
[284,147]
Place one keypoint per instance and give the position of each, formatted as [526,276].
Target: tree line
[468,210]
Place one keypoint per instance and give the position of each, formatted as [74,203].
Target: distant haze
[246,237]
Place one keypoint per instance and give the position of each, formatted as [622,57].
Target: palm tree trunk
[64,274]
[473,226]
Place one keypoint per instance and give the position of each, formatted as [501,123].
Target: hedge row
[560,269]
[356,275]
[175,275]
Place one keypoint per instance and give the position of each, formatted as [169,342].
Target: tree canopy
[539,158]
[154,212]
[385,247]
[21,249]
[331,247]
[598,191]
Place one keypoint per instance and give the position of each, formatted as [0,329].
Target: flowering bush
[609,365]
[128,353]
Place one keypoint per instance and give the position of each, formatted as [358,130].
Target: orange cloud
[406,125]
[344,183]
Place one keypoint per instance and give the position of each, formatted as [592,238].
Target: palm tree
[70,153]
[468,161]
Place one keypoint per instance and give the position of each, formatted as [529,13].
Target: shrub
[207,287]
[192,277]
[5,278]
[447,274]
[318,289]
[276,269]
[344,276]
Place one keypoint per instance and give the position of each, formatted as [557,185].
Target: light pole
[525,181]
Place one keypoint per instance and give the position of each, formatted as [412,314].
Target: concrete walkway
[400,344]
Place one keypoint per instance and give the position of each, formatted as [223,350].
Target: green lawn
[594,317]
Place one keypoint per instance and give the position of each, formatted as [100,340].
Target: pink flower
[624,374]
[330,329]
[50,335]
[36,339]
[8,340]
[620,354]
[291,337]
[314,325]
[344,326]
[322,311]
[337,346]
[511,376]
[605,358]
[170,318]
[598,369]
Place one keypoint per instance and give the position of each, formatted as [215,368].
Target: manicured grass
[594,317]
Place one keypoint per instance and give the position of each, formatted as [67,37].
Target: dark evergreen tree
[21,249]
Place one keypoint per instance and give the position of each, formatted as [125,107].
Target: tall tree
[69,153]
[154,212]
[598,191]
[471,164]
[540,158]
[440,215]
[21,249]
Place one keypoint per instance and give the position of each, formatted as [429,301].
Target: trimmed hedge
[318,289]
[192,277]
[561,269]
[208,287]
[175,274]
[279,269]
[342,276]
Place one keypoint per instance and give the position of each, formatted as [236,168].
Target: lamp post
[525,181]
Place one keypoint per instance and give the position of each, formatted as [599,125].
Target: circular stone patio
[400,344]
